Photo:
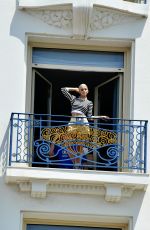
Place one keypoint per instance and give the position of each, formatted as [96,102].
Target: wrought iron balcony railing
[41,140]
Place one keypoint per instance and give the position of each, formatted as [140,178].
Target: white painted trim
[40,3]
[28,102]
[132,73]
[89,45]
[118,5]
[41,182]
[124,6]
[77,68]
[127,86]
[57,175]
[75,219]
[98,44]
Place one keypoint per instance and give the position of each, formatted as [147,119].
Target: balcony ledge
[40,182]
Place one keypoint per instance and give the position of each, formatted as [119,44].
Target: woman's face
[83,90]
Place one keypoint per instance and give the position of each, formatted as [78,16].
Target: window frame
[127,110]
[74,219]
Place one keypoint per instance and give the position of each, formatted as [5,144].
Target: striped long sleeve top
[78,104]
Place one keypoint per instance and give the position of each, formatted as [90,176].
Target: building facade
[46,45]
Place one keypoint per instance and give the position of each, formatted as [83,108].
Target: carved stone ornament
[81,17]
[112,193]
[56,18]
[42,182]
[102,18]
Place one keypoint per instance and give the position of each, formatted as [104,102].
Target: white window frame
[75,219]
[127,110]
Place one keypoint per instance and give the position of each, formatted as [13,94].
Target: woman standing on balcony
[81,111]
[81,108]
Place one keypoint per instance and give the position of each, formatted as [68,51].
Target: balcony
[110,144]
[101,157]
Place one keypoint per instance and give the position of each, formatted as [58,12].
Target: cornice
[110,192]
[81,17]
[120,5]
[34,4]
[40,183]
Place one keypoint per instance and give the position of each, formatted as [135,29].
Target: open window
[53,69]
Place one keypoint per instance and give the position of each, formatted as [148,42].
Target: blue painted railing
[42,140]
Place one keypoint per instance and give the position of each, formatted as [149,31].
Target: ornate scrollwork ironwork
[79,134]
[42,149]
[78,142]
[91,147]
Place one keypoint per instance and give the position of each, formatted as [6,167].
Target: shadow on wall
[4,151]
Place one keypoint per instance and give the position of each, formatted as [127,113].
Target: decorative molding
[103,18]
[112,192]
[57,18]
[76,188]
[81,16]
[41,182]
[38,189]
[24,186]
[128,191]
